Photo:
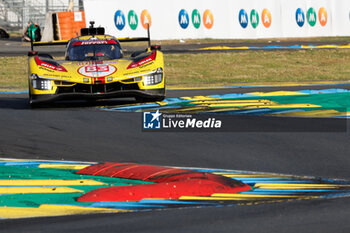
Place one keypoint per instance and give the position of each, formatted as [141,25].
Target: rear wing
[51,43]
[93,31]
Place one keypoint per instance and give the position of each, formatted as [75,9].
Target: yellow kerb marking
[194,98]
[162,103]
[285,106]
[211,198]
[276,93]
[251,175]
[63,166]
[307,47]
[52,210]
[233,103]
[48,182]
[347,46]
[22,190]
[327,46]
[12,160]
[184,110]
[299,186]
[315,113]
[222,48]
[233,195]
[263,84]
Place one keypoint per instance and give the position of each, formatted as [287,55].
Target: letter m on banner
[119,20]
[243,19]
[133,20]
[300,18]
[183,19]
[196,19]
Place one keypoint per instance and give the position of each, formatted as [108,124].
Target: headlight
[33,76]
[39,83]
[153,79]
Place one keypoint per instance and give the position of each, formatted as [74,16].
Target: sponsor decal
[243,18]
[144,61]
[98,70]
[94,42]
[56,76]
[208,19]
[48,70]
[266,18]
[146,19]
[49,66]
[184,19]
[311,17]
[322,16]
[254,18]
[133,20]
[300,17]
[84,63]
[196,18]
[119,20]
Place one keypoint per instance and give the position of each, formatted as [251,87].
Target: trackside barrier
[70,23]
[234,19]
[63,25]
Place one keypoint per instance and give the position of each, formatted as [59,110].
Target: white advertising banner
[221,19]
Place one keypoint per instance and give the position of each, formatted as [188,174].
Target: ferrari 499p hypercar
[95,68]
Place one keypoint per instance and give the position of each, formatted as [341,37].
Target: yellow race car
[95,68]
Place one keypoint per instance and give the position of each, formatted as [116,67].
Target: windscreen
[94,50]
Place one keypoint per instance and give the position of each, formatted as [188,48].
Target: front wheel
[149,99]
[32,103]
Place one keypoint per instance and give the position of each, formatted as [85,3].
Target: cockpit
[94,50]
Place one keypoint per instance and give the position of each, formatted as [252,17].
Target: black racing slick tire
[149,99]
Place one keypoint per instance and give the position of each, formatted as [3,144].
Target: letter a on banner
[146,19]
[208,19]
[266,18]
[322,16]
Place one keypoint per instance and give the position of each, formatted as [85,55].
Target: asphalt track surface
[14,47]
[82,132]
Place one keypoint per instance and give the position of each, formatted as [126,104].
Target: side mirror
[32,53]
[156,47]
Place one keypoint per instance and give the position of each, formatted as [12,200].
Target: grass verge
[219,69]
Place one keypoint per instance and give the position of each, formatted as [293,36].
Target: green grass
[215,41]
[216,69]
[344,40]
[257,66]
[13,72]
